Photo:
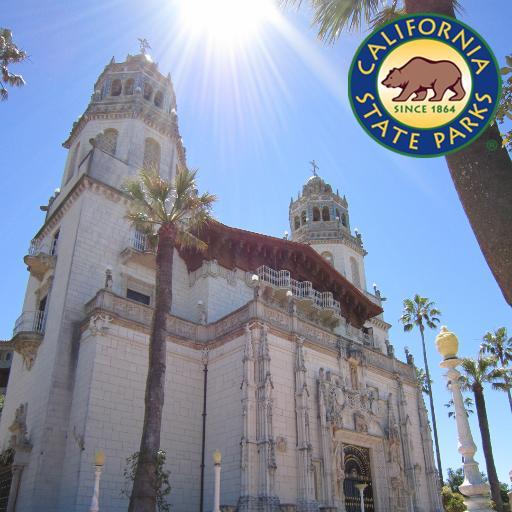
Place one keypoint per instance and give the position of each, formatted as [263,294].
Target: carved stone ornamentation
[18,428]
[99,323]
[27,347]
[360,424]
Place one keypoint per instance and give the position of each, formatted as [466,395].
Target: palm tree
[421,312]
[499,345]
[172,214]
[475,374]
[9,54]
[482,176]
[468,404]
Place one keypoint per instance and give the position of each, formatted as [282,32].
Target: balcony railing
[139,241]
[302,290]
[37,247]
[30,321]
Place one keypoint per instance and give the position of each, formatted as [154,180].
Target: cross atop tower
[144,45]
[315,167]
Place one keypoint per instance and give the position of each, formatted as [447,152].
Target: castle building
[277,340]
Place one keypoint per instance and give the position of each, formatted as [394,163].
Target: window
[159,99]
[344,219]
[303,218]
[115,88]
[8,356]
[151,155]
[137,296]
[354,268]
[72,162]
[296,222]
[325,213]
[148,91]
[107,141]
[55,241]
[316,214]
[328,256]
[128,87]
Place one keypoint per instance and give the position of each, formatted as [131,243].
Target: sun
[227,23]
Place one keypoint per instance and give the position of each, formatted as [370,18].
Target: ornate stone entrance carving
[357,471]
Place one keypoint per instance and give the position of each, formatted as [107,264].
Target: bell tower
[320,217]
[131,122]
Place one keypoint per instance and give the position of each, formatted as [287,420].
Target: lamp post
[361,487]
[217,457]
[99,462]
[474,489]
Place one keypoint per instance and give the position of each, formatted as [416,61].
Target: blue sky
[252,117]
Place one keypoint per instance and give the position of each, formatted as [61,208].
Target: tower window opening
[354,268]
[115,88]
[107,141]
[325,213]
[303,218]
[55,241]
[296,222]
[148,91]
[128,87]
[316,214]
[344,219]
[138,296]
[151,155]
[72,163]
[159,99]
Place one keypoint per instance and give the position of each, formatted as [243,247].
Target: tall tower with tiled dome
[319,217]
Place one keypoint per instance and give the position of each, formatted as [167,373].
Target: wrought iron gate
[357,471]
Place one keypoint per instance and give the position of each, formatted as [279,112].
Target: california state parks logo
[424,85]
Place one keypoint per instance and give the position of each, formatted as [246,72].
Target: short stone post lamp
[99,462]
[217,457]
[361,487]
[474,489]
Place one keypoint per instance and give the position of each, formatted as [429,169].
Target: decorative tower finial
[315,167]
[144,45]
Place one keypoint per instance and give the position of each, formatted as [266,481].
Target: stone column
[326,439]
[248,491]
[474,489]
[305,490]
[264,430]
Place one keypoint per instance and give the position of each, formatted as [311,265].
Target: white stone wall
[342,254]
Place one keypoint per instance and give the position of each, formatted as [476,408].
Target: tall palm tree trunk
[143,497]
[432,410]
[483,423]
[482,176]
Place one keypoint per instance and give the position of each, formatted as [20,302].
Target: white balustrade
[302,290]
[30,321]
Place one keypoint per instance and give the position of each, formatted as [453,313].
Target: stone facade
[304,396]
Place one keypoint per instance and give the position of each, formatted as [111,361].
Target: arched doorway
[357,471]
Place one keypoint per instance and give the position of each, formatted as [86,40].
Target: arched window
[328,256]
[107,141]
[316,214]
[303,218]
[159,99]
[344,219]
[115,88]
[72,163]
[128,87]
[354,269]
[325,213]
[148,91]
[296,222]
[151,155]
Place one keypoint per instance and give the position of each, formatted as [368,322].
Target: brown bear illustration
[420,74]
